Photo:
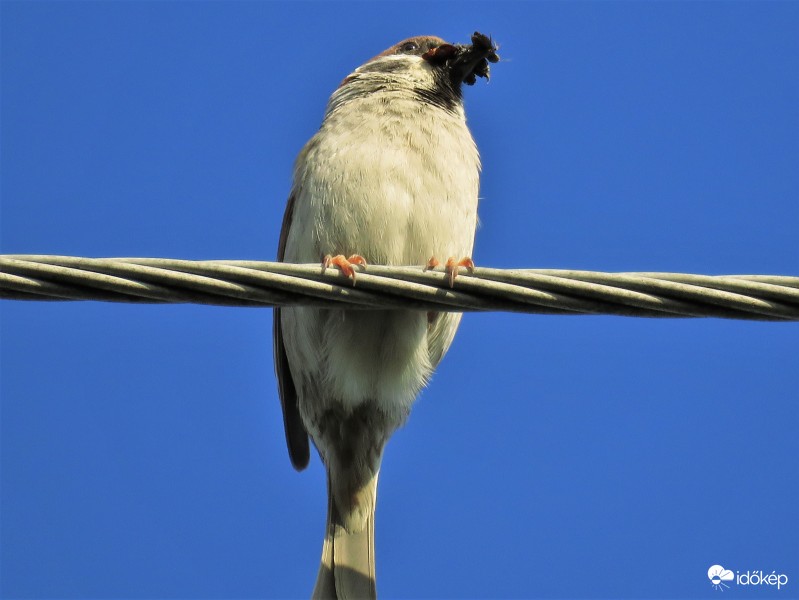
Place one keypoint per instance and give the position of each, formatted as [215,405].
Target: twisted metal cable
[256,283]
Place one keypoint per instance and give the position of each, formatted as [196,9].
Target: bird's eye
[409,47]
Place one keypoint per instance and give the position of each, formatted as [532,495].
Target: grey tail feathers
[347,571]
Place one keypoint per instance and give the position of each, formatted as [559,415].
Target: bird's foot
[344,264]
[451,267]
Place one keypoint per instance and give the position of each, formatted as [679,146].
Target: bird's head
[426,66]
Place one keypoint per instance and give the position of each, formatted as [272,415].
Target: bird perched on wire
[391,177]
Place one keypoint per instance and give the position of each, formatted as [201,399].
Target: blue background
[595,457]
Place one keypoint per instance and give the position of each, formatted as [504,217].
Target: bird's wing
[296,436]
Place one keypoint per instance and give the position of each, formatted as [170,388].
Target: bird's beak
[440,54]
[466,62]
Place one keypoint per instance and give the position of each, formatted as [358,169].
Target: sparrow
[391,178]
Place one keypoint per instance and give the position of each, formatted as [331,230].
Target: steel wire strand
[258,283]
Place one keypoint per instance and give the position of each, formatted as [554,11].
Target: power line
[257,283]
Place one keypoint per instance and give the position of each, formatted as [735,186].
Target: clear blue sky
[565,457]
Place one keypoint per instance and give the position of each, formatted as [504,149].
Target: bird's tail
[348,554]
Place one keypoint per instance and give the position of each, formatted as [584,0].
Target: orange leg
[432,263]
[344,264]
[451,267]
